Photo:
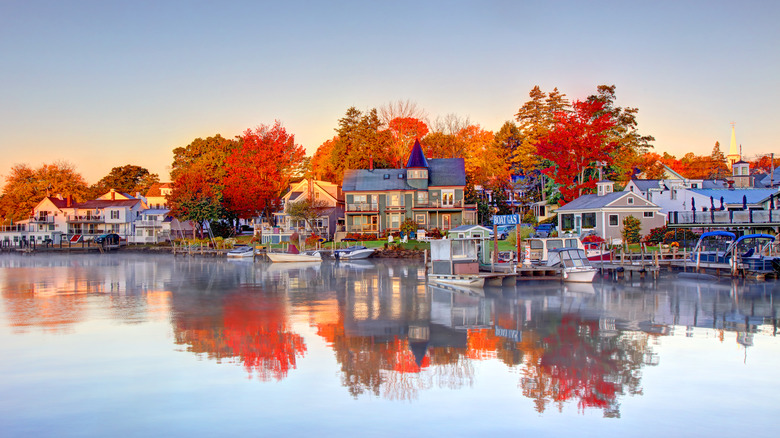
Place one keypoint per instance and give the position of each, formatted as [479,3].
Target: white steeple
[734,154]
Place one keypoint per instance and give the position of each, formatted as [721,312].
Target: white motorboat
[539,248]
[353,253]
[574,263]
[283,257]
[458,280]
[241,252]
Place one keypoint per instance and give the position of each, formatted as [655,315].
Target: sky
[102,84]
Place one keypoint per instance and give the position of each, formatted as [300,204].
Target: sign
[506,219]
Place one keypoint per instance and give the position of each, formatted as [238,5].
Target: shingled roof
[417,157]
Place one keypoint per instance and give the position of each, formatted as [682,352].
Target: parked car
[107,239]
[504,230]
[544,230]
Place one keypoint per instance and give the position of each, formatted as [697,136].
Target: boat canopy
[567,256]
[718,233]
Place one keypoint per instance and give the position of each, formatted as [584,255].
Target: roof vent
[387,176]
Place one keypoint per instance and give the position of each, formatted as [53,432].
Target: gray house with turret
[430,192]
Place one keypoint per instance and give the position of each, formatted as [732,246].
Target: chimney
[113,195]
[69,201]
[371,163]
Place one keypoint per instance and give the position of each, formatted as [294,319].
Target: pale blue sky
[104,84]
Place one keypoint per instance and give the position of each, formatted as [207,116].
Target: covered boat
[574,263]
[241,252]
[753,251]
[356,252]
[714,247]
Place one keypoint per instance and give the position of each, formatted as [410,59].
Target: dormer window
[630,201]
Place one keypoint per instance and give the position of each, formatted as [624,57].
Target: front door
[577,224]
[446,221]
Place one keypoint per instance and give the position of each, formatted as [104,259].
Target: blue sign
[506,219]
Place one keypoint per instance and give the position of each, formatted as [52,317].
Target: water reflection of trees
[249,328]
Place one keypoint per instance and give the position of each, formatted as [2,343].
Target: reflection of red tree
[580,367]
[256,331]
[482,344]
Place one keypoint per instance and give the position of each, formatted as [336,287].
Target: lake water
[152,345]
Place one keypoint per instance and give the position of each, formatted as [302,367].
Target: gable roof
[646,184]
[105,203]
[417,157]
[155,189]
[593,202]
[462,228]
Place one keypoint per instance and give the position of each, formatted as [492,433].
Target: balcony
[363,228]
[85,219]
[42,219]
[436,203]
[148,224]
[724,218]
[363,206]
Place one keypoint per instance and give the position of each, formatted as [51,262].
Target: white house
[603,213]
[331,196]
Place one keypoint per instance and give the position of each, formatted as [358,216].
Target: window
[420,219]
[448,197]
[422,198]
[317,195]
[394,200]
[567,221]
[630,201]
[588,220]
[613,220]
[648,214]
[114,214]
[395,221]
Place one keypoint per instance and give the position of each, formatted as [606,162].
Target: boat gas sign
[506,219]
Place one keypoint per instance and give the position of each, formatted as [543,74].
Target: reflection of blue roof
[753,196]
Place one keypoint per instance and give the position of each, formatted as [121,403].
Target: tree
[260,171]
[630,145]
[632,227]
[401,109]
[404,130]
[308,210]
[536,117]
[577,143]
[198,172]
[720,168]
[25,187]
[129,179]
[441,145]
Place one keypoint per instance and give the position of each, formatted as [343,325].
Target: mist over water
[156,345]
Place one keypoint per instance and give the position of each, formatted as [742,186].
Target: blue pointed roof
[417,157]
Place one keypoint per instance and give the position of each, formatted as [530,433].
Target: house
[429,192]
[332,201]
[115,214]
[157,195]
[603,213]
[469,232]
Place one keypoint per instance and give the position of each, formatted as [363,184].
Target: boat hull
[355,255]
[579,275]
[280,257]
[458,280]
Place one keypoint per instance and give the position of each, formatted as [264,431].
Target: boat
[541,246]
[574,263]
[284,257]
[468,280]
[356,252]
[714,247]
[753,253]
[241,252]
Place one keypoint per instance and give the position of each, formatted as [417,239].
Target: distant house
[429,192]
[469,232]
[331,196]
[157,195]
[603,213]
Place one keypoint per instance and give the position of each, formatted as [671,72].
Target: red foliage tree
[578,140]
[259,171]
[404,130]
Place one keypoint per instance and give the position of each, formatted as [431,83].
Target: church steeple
[734,154]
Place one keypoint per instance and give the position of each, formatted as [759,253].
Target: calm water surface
[140,345]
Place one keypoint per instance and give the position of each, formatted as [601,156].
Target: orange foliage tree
[260,171]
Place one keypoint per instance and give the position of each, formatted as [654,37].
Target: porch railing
[363,206]
[742,217]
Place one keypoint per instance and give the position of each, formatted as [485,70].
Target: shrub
[408,227]
[435,233]
[631,228]
[592,238]
[656,235]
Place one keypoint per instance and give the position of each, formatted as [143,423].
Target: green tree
[25,187]
[630,145]
[308,210]
[508,138]
[719,167]
[128,179]
[536,117]
[632,228]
